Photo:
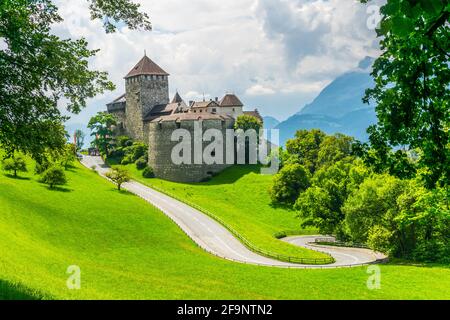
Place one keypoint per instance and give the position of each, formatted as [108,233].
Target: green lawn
[127,249]
[239,196]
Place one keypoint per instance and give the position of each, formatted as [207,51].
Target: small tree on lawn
[54,176]
[118,176]
[14,164]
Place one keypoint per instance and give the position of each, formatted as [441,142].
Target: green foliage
[246,122]
[141,163]
[333,149]
[110,12]
[401,218]
[380,239]
[148,172]
[304,148]
[101,126]
[54,176]
[320,205]
[375,200]
[412,88]
[68,156]
[14,164]
[38,69]
[119,176]
[289,183]
[79,136]
[132,152]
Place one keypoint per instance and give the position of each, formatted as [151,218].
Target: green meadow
[239,196]
[126,249]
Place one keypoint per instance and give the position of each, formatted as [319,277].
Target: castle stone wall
[142,94]
[161,146]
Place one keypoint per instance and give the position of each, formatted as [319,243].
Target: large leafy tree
[38,69]
[412,79]
[102,126]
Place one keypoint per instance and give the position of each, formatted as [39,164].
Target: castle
[145,113]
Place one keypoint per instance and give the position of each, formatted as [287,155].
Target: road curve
[217,240]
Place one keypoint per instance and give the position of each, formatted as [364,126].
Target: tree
[304,148]
[373,203]
[68,156]
[315,209]
[119,176]
[333,149]
[412,84]
[321,205]
[246,122]
[54,176]
[289,183]
[14,164]
[38,69]
[79,136]
[101,126]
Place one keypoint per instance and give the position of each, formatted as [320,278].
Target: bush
[42,166]
[127,160]
[119,176]
[141,163]
[148,172]
[14,164]
[379,239]
[54,176]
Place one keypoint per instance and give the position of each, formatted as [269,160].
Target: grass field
[239,196]
[127,249]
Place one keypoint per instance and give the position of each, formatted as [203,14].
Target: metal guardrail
[244,241]
[333,242]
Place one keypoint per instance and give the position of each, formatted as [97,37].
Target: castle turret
[147,86]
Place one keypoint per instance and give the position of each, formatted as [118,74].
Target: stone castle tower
[147,86]
[145,114]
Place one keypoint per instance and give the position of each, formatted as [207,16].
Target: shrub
[54,176]
[379,239]
[14,164]
[127,160]
[141,163]
[148,172]
[124,141]
[119,176]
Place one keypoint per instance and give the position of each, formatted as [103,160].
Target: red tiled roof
[230,100]
[146,67]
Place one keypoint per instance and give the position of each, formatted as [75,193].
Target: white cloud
[254,48]
[3,44]
[259,90]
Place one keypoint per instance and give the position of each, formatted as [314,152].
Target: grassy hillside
[240,197]
[127,249]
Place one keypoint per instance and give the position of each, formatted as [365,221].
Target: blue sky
[276,55]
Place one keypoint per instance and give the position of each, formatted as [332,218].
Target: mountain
[338,108]
[270,122]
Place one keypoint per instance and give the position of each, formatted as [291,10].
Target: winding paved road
[217,240]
